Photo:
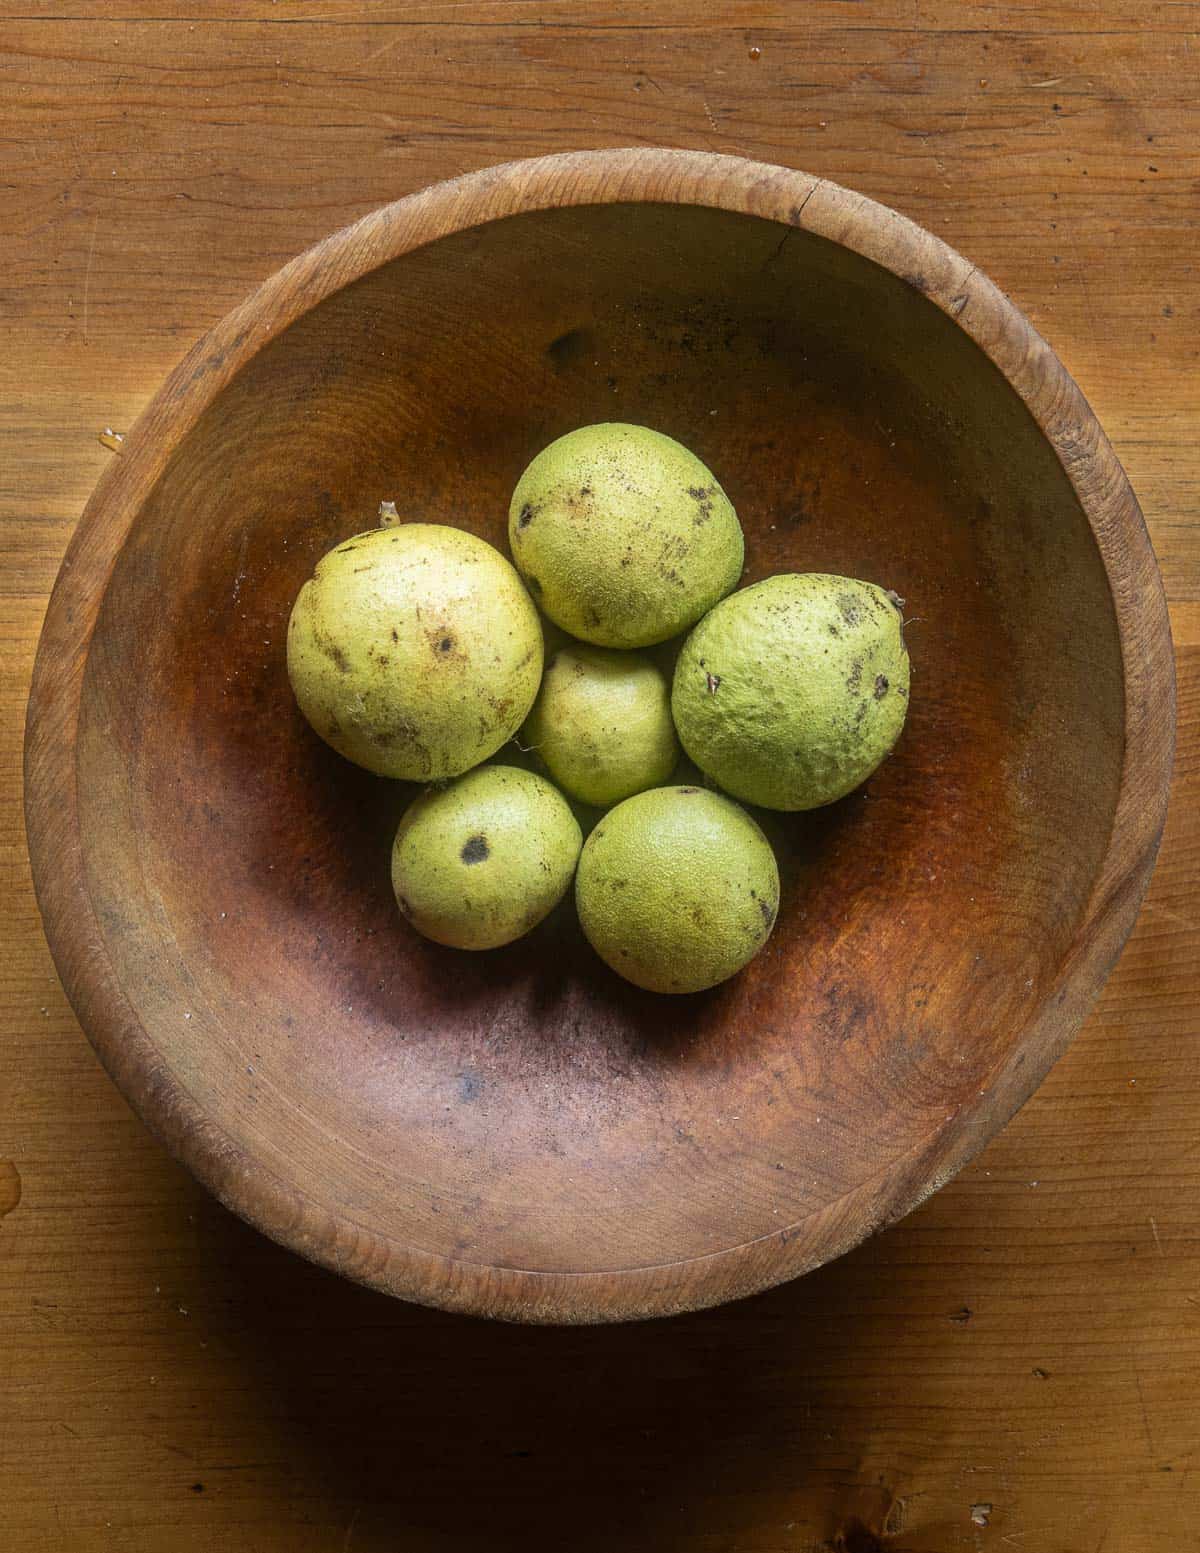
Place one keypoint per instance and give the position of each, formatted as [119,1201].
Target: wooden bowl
[519,1133]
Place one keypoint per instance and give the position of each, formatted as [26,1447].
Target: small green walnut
[790,693]
[414,651]
[481,861]
[677,889]
[623,536]
[602,724]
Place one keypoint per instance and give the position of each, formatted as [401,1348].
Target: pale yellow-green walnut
[790,693]
[677,889]
[602,724]
[623,536]
[415,651]
[479,862]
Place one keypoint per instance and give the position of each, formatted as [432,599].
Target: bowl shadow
[459,1433]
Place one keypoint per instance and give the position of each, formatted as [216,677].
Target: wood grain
[317,1416]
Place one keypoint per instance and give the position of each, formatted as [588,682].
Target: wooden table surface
[1012,1367]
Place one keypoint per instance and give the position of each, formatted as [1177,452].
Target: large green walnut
[623,536]
[602,724]
[790,693]
[479,862]
[677,889]
[415,651]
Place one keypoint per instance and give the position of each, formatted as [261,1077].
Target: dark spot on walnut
[400,732]
[850,608]
[881,686]
[337,657]
[854,678]
[702,495]
[714,681]
[768,912]
[525,516]
[689,789]
[395,634]
[475,850]
[446,643]
[383,660]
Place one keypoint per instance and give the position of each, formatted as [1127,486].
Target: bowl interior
[524,1108]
